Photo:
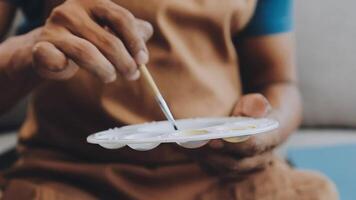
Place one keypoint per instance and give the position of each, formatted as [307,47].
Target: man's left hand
[248,155]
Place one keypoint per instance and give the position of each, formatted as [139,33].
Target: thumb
[252,105]
[50,63]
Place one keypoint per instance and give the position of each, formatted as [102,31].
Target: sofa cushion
[305,138]
[7,141]
[326,61]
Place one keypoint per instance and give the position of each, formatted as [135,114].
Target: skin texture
[19,79]
[98,35]
[110,41]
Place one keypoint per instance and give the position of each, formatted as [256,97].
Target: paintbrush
[159,98]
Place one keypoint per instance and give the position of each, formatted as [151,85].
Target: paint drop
[195,132]
[243,128]
[236,139]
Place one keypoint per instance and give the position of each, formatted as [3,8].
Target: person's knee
[313,185]
[11,190]
[278,182]
[43,190]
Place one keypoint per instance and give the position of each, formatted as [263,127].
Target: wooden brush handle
[162,103]
[148,78]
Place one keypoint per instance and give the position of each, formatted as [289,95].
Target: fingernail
[112,78]
[269,108]
[141,57]
[134,76]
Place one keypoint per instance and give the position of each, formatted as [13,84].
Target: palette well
[192,133]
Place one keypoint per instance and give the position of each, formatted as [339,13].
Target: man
[80,64]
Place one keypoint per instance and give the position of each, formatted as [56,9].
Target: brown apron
[192,57]
[194,62]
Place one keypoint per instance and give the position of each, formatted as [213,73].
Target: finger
[252,146]
[252,105]
[122,22]
[145,29]
[51,63]
[222,163]
[220,143]
[226,163]
[256,162]
[253,163]
[218,163]
[110,46]
[46,55]
[84,54]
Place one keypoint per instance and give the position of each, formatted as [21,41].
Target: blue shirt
[270,17]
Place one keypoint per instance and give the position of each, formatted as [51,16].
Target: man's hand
[96,35]
[251,105]
[245,156]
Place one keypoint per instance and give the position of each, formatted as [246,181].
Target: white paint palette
[192,133]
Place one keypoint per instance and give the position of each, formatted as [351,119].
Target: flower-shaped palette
[192,133]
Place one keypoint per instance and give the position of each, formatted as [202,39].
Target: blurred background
[326,142]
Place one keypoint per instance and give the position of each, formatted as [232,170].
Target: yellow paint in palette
[195,132]
[239,139]
[231,139]
[236,139]
[243,128]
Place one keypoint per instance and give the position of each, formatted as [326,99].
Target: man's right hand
[96,35]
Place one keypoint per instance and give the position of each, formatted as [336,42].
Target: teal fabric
[271,17]
[336,162]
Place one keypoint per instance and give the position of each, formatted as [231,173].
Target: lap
[19,189]
[71,180]
[279,181]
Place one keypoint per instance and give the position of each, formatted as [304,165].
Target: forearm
[285,100]
[268,67]
[17,78]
